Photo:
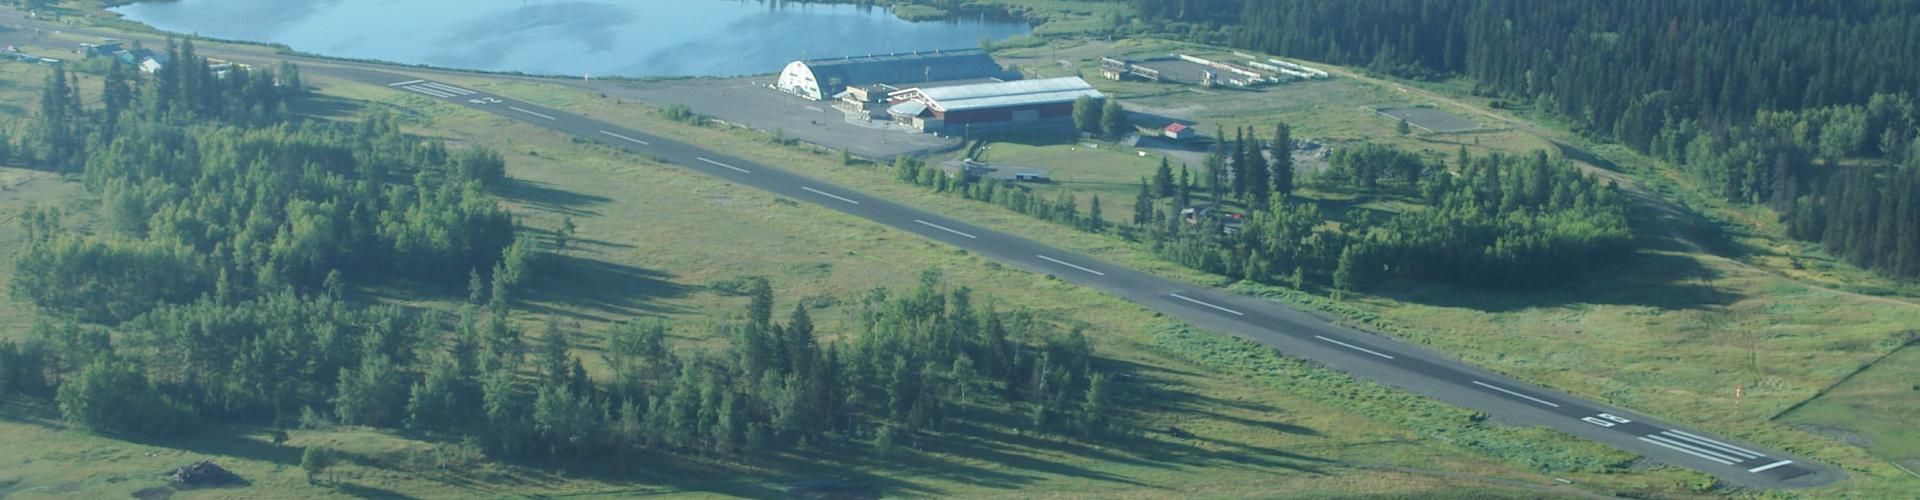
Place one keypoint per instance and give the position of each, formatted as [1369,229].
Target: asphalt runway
[1290,331]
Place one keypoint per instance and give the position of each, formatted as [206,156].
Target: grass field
[1673,331]
[653,238]
[1874,410]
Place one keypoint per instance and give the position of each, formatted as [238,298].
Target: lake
[571,37]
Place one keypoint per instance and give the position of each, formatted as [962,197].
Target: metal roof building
[992,106]
[821,79]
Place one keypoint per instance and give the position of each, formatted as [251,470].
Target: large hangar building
[995,106]
[823,79]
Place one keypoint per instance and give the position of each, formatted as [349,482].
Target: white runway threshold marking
[447,88]
[1070,264]
[1763,468]
[427,91]
[1515,394]
[1223,309]
[637,141]
[1686,450]
[1736,451]
[517,108]
[1354,347]
[944,228]
[408,82]
[726,166]
[829,195]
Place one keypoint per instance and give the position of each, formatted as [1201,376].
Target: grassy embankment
[652,239]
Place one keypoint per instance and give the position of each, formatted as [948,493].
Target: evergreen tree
[1282,159]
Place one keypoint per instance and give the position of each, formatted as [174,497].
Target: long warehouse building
[982,107]
[822,79]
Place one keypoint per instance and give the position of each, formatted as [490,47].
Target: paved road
[1291,331]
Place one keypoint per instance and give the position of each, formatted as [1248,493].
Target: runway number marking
[944,228]
[1605,420]
[1222,309]
[484,100]
[1515,394]
[829,195]
[408,82]
[1072,265]
[1354,347]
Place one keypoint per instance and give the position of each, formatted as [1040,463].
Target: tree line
[209,187]
[1498,222]
[1764,102]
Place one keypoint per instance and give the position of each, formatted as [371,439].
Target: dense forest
[1789,103]
[215,287]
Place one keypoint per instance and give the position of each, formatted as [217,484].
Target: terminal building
[824,79]
[992,106]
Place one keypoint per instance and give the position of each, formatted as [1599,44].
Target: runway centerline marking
[945,228]
[1515,394]
[1355,347]
[517,108]
[726,166]
[408,82]
[618,136]
[829,195]
[1070,264]
[1686,451]
[1763,468]
[1189,299]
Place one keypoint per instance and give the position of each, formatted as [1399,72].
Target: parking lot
[750,102]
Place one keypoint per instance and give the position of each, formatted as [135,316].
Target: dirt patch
[1849,437]
[1430,119]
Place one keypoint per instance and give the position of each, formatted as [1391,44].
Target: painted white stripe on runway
[1070,264]
[1516,394]
[618,136]
[1763,468]
[517,108]
[826,194]
[448,87]
[945,228]
[408,82]
[1716,444]
[1670,441]
[745,171]
[427,91]
[1354,347]
[1684,450]
[1188,299]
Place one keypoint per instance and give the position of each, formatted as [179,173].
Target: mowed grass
[1673,331]
[1086,168]
[1875,410]
[652,240]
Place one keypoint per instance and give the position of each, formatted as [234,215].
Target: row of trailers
[1188,69]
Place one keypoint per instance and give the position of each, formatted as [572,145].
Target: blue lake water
[572,37]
